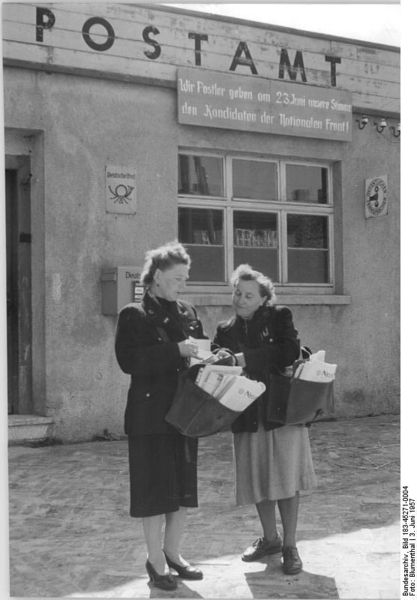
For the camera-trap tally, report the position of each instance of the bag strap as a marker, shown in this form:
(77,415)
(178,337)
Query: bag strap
(303,357)
(295,366)
(305,352)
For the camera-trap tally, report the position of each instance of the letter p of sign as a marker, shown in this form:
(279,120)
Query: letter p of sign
(45,19)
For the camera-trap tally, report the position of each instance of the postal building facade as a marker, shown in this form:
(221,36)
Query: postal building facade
(130,125)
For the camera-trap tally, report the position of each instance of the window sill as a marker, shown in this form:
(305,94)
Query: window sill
(224,299)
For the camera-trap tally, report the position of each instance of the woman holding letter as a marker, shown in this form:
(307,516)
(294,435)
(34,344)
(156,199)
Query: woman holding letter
(155,340)
(273,462)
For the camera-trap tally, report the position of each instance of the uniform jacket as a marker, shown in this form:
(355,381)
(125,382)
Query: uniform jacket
(269,342)
(146,347)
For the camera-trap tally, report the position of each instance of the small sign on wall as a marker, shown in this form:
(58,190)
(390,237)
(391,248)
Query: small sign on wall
(376,197)
(121,196)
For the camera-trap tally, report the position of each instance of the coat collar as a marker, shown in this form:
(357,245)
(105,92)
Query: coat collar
(158,313)
(260,315)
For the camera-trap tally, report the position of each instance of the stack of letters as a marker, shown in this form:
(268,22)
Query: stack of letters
(228,386)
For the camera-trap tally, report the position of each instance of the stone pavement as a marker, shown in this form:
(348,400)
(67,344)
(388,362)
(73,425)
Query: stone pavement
(71,536)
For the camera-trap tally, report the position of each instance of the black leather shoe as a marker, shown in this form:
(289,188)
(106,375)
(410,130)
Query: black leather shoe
(291,561)
(260,548)
(164,582)
(185,572)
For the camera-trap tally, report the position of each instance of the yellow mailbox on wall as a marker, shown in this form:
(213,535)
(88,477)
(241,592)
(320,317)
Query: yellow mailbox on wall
(119,286)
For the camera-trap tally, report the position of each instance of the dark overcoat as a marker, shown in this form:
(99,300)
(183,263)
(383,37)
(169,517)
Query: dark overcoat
(269,342)
(146,345)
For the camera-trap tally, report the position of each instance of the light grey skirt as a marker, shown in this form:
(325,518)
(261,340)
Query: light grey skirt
(272,465)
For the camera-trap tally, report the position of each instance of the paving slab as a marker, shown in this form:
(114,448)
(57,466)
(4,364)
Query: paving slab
(71,535)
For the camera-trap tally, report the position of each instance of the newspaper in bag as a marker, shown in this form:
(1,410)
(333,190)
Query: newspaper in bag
(241,393)
(229,387)
(316,369)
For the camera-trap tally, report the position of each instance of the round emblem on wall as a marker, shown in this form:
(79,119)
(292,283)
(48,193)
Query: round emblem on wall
(376,197)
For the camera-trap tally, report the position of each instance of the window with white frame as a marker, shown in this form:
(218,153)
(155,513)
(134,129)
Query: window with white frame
(275,214)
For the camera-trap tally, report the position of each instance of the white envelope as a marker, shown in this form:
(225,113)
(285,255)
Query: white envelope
(204,351)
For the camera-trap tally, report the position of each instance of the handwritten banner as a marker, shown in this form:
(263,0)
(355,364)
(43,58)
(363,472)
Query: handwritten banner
(214,99)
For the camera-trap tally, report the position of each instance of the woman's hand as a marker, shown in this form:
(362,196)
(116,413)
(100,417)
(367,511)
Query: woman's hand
(188,348)
(225,357)
(222,353)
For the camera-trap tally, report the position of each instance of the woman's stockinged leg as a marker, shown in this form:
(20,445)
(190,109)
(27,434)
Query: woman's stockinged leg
(288,508)
(152,528)
(174,528)
(266,512)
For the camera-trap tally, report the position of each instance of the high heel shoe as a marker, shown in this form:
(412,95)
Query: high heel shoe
(165,582)
(185,572)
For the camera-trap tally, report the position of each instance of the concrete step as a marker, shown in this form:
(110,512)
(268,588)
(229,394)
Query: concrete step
(28,428)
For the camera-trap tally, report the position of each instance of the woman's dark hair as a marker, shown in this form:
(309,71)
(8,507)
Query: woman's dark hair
(247,273)
(163,258)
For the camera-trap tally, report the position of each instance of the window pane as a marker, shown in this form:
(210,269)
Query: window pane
(308,266)
(308,256)
(307,231)
(200,175)
(306,184)
(201,231)
(254,179)
(207,263)
(255,241)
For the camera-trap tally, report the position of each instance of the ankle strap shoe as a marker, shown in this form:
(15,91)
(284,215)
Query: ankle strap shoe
(164,582)
(185,572)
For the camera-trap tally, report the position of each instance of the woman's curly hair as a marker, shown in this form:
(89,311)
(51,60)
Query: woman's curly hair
(163,258)
(246,273)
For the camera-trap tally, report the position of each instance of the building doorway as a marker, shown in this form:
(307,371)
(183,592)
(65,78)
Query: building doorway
(19,293)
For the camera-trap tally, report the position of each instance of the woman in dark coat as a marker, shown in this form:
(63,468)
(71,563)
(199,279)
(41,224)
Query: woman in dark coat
(153,346)
(273,462)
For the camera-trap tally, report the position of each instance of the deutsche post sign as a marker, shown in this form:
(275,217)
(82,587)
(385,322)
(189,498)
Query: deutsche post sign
(120,189)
